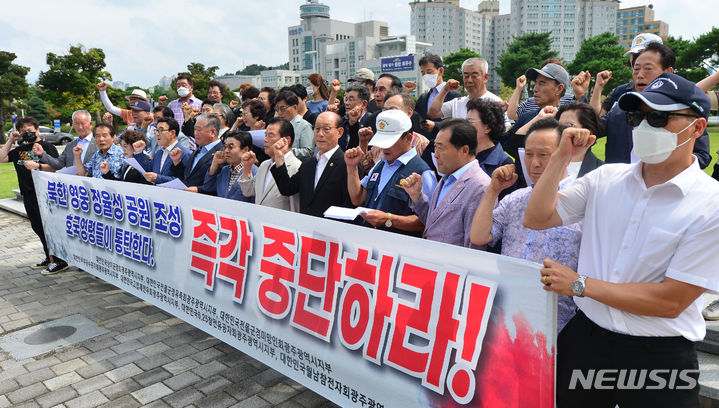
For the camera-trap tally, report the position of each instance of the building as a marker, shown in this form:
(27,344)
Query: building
(336,49)
(636,20)
(450,27)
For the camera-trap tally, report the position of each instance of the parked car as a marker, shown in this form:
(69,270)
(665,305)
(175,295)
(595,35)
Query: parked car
(58,138)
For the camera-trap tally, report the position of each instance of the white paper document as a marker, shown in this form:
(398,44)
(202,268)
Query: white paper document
(68,170)
(343,213)
(174,183)
(135,164)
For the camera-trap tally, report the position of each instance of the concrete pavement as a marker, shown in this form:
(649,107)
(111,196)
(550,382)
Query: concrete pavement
(148,358)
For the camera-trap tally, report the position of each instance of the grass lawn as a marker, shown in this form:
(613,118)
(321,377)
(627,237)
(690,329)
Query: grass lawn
(598,148)
(8,180)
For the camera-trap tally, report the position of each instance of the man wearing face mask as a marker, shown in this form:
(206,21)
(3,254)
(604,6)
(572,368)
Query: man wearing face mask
(432,69)
(647,253)
(184,91)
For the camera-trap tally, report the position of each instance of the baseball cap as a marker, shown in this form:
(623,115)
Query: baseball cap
(391,124)
(552,71)
(362,74)
(640,42)
(137,93)
(140,105)
(668,92)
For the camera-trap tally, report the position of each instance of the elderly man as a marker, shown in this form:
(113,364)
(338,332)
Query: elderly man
(107,152)
(82,123)
(356,99)
(286,103)
(475,74)
(649,63)
(648,252)
(24,157)
(191,168)
(447,213)
(504,223)
(215,91)
(380,189)
(125,114)
(262,185)
(322,178)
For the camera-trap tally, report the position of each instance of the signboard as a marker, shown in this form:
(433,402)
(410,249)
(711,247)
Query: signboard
(394,64)
(365,318)
(56,124)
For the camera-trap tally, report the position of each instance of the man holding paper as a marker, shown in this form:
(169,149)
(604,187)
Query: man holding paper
(158,169)
(380,190)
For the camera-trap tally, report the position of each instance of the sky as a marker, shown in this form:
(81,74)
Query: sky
(144,40)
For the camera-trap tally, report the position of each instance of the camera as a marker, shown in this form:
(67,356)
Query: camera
(28,137)
(21,162)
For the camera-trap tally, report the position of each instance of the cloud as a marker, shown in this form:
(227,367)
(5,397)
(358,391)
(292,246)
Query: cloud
(145,40)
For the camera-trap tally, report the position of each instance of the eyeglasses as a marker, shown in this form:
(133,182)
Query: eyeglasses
(324,129)
(282,108)
(160,130)
(656,118)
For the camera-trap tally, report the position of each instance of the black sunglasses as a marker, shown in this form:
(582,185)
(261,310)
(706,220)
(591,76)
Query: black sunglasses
(656,118)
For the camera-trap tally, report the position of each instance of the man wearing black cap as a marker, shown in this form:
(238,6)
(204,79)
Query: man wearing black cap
(647,255)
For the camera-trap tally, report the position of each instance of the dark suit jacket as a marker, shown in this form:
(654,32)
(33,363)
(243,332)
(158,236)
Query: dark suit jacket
(589,163)
(422,106)
(331,187)
(128,174)
(164,174)
(195,176)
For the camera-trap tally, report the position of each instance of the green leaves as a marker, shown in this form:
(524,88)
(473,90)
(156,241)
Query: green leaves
(599,53)
(526,51)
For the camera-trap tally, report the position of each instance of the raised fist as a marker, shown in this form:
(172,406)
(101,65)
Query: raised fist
(102,86)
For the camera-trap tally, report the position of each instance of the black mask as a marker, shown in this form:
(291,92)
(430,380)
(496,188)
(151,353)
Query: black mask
(28,137)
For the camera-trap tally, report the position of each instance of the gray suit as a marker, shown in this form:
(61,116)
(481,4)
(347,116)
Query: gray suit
(254,186)
(67,158)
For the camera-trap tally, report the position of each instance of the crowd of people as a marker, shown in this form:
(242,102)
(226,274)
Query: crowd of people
(627,245)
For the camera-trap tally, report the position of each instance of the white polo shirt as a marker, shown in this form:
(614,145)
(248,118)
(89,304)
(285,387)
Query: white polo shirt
(637,234)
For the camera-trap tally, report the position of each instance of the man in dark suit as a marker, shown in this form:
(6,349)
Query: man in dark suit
(191,169)
(158,170)
(322,178)
(82,123)
(432,70)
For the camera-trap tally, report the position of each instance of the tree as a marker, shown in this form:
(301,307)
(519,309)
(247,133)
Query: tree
(693,56)
(453,63)
(599,53)
(12,85)
(37,109)
(524,52)
(71,81)
(201,77)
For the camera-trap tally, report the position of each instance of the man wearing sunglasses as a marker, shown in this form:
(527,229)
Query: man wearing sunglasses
(647,255)
(655,59)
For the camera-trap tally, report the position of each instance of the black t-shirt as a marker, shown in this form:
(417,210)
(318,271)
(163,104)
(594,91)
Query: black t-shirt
(24,152)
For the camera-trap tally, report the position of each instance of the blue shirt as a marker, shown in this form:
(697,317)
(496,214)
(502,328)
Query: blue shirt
(451,179)
(429,182)
(206,148)
(114,157)
(433,93)
(560,244)
(316,107)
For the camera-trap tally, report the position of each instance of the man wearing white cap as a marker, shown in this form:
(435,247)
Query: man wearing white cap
(381,189)
(638,45)
(125,114)
(447,213)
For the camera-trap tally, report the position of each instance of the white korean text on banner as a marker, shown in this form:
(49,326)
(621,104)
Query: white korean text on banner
(363,317)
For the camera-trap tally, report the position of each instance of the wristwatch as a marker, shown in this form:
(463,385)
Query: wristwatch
(388,223)
(578,286)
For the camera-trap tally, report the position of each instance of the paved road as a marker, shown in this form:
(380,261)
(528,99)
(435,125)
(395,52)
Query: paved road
(148,358)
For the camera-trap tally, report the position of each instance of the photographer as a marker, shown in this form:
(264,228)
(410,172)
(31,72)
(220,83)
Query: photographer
(25,160)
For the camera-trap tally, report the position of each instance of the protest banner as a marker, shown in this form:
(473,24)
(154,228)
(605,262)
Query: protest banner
(365,318)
